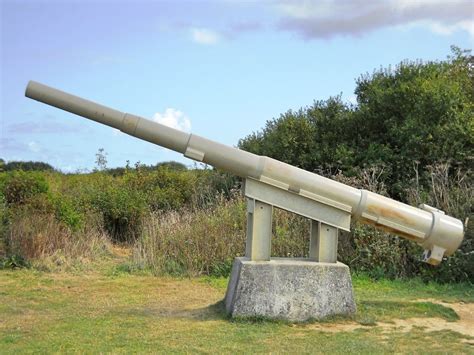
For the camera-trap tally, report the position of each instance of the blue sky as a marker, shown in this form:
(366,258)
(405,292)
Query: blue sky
(217,68)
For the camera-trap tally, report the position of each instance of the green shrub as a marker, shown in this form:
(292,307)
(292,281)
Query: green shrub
(290,237)
(25,166)
(18,187)
(163,188)
(122,211)
(221,269)
(212,185)
(14,262)
(377,253)
(4,220)
(66,212)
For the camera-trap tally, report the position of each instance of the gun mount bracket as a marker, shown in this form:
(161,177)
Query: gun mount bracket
(326,220)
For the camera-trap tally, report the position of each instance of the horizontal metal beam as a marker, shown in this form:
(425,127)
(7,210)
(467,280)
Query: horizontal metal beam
(298,204)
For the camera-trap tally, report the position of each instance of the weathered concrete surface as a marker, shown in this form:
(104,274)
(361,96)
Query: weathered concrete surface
(292,289)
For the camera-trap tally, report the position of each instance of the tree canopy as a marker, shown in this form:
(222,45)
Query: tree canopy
(407,118)
(25,166)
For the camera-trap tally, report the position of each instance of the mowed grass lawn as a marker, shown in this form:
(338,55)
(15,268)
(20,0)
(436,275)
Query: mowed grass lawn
(119,312)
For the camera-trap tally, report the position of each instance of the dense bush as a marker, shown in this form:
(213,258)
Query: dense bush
(122,210)
(66,211)
(25,166)
(115,204)
(409,117)
(125,200)
(18,187)
(452,191)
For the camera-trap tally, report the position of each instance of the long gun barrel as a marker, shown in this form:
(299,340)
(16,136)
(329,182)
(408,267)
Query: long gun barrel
(438,233)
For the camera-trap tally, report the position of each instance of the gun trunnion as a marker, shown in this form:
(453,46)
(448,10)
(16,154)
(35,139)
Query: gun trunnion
(438,233)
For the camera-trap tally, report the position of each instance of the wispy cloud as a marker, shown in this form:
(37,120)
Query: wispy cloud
(329,18)
(173,118)
(447,30)
(205,36)
(10,145)
(42,126)
(34,147)
(316,19)
(245,26)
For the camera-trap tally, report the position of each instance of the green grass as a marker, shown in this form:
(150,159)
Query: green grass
(368,288)
(121,312)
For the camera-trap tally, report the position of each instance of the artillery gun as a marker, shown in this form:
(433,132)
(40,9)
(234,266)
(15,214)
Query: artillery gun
(256,285)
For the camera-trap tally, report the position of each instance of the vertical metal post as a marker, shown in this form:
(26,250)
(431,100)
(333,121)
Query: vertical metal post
(323,242)
(259,230)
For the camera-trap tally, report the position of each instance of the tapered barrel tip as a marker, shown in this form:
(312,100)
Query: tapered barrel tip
(30,88)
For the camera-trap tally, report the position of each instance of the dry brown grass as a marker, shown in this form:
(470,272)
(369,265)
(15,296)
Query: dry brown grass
(49,244)
(206,240)
(192,241)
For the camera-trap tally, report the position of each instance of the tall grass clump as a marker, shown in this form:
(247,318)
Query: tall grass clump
(44,227)
(205,240)
(50,244)
(290,237)
(193,241)
(451,190)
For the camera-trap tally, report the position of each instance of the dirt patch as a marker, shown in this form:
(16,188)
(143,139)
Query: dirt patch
(465,325)
(121,252)
(338,327)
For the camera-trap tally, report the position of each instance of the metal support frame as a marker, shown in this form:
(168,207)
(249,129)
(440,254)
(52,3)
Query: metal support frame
(326,221)
(323,242)
(259,230)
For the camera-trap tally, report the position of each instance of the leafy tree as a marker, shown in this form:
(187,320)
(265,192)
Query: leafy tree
(419,113)
(307,138)
(408,117)
(101,160)
(172,165)
(25,166)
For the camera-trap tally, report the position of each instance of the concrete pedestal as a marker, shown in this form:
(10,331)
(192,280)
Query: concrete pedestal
(291,289)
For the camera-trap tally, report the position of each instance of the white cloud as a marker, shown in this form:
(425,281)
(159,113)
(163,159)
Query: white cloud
(34,147)
(328,18)
(447,30)
(204,36)
(173,118)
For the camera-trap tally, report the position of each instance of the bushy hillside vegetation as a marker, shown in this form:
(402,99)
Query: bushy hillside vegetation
(25,165)
(410,137)
(407,120)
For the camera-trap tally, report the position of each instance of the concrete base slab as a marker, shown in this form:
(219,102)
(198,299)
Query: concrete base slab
(291,289)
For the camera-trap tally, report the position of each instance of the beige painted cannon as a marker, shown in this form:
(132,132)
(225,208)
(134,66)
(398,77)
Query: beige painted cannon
(271,183)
